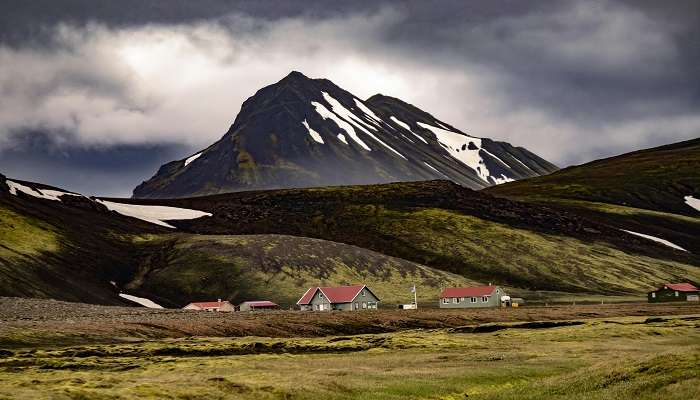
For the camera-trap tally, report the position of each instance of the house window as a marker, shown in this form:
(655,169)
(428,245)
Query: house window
(461,299)
(653,295)
(676,293)
(357,306)
(455,300)
(364,305)
(445,300)
(363,293)
(320,295)
(473,300)
(484,299)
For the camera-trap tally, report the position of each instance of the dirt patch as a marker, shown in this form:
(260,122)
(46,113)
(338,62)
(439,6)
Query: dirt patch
(26,323)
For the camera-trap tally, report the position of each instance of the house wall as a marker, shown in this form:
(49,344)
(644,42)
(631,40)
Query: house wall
(363,297)
(244,307)
(666,295)
(493,301)
(318,300)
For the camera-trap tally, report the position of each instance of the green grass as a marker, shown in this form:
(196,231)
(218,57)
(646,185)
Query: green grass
(612,359)
(481,250)
(22,236)
(655,179)
(280,268)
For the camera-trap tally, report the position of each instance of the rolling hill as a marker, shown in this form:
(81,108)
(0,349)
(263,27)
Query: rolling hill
(273,244)
(658,179)
(455,229)
(650,191)
(56,244)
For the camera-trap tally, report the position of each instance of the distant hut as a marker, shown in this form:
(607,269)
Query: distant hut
(343,298)
(211,306)
(474,297)
(674,292)
(258,305)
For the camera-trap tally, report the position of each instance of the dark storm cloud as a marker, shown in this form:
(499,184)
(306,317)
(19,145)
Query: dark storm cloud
(49,157)
(572,81)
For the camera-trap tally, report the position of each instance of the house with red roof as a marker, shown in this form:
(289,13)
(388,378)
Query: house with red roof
(474,297)
(210,306)
(344,298)
(258,305)
(674,292)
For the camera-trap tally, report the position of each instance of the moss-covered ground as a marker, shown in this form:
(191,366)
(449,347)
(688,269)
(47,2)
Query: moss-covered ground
(632,357)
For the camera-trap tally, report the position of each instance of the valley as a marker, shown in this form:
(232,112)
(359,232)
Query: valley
(641,356)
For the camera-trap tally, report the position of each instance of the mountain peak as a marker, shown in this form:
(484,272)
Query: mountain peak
(295,76)
(303,132)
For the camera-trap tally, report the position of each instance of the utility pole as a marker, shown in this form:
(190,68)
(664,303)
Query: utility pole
(415,296)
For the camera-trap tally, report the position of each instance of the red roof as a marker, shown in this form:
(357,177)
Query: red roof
(209,304)
(682,287)
(337,294)
(468,291)
(260,303)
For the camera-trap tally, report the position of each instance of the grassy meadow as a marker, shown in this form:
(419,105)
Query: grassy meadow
(628,357)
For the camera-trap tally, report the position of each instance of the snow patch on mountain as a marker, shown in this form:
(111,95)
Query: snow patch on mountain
(367,111)
(496,157)
(408,128)
(435,169)
(347,115)
(190,159)
(48,194)
(656,239)
(502,179)
(328,114)
(314,135)
(693,202)
(522,163)
(140,300)
(462,147)
(154,214)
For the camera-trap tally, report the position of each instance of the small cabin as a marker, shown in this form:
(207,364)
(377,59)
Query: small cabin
(474,297)
(342,298)
(258,305)
(213,306)
(674,292)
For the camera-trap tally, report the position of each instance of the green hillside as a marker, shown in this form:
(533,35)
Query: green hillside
(447,227)
(274,244)
(275,267)
(654,179)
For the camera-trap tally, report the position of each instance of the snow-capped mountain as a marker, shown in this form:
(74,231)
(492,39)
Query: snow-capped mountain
(302,132)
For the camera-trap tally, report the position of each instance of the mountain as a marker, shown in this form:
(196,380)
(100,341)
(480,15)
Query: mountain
(302,132)
(662,179)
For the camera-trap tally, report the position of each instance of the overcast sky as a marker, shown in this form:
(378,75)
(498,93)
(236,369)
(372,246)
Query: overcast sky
(95,95)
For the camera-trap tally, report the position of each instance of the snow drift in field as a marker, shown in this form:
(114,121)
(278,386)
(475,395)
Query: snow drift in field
(47,194)
(654,238)
(154,214)
(693,202)
(140,300)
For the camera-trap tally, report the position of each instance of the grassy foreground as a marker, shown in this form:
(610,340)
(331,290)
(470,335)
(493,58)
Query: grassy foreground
(631,357)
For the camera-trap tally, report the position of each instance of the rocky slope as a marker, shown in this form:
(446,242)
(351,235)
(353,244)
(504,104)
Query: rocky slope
(302,132)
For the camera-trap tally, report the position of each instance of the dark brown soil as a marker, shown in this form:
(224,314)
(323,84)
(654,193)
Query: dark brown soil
(36,322)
